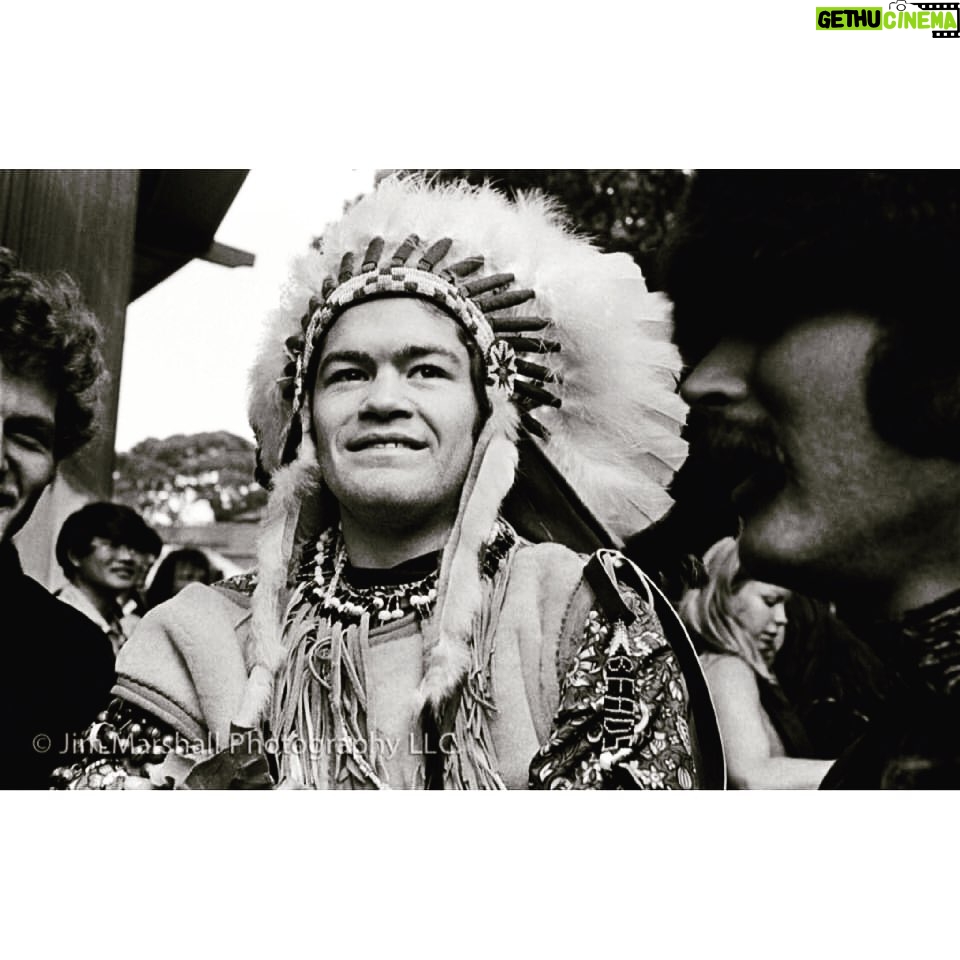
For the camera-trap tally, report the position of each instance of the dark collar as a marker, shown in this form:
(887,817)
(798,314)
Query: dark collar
(9,562)
(407,572)
(925,642)
(929,612)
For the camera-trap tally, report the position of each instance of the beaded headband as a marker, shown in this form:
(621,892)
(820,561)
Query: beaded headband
(473,303)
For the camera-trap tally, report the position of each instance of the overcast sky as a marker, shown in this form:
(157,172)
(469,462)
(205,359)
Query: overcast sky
(190,341)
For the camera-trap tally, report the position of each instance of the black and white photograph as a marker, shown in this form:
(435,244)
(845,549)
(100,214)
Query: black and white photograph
(442,417)
(598,531)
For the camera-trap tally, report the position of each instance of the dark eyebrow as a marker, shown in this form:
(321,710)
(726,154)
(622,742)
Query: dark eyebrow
(345,356)
(418,352)
(406,354)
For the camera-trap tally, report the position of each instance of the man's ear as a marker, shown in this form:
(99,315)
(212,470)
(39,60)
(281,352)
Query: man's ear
(74,560)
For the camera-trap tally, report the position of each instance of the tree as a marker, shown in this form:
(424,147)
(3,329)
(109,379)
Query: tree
(621,210)
(217,467)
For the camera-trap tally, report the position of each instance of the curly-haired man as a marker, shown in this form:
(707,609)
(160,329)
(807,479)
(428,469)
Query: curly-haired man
(816,312)
(58,664)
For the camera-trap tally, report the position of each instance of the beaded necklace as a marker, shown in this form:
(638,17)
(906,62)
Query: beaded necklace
(321,691)
(322,576)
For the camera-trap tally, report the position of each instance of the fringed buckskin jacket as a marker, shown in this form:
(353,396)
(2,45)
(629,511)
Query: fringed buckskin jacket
(582,677)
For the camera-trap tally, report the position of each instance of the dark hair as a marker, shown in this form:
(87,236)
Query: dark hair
(753,252)
(161,586)
(111,521)
(46,332)
(478,376)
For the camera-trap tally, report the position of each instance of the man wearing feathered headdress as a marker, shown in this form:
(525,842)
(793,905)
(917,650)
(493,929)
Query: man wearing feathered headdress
(399,630)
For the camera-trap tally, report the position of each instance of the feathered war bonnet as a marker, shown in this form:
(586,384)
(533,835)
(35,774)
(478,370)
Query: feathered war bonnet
(578,355)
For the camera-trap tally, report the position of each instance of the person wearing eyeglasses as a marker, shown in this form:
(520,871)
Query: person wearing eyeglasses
(101,549)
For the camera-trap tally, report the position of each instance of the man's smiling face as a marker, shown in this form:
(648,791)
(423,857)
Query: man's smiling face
(394,411)
(27,425)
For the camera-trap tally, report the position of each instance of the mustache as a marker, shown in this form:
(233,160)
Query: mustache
(732,446)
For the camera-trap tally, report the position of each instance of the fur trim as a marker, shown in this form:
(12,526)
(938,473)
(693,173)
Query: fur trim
(256,697)
(459,591)
(292,515)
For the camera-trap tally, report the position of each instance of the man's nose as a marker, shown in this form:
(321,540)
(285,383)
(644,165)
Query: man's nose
(386,396)
(722,376)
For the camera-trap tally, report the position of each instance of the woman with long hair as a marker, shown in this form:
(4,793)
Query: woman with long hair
(739,625)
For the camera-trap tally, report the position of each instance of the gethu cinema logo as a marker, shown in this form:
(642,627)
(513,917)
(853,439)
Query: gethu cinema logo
(929,16)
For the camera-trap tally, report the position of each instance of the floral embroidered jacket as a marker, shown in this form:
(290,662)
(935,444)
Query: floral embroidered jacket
(588,681)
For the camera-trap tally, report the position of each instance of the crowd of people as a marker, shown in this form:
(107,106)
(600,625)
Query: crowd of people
(463,411)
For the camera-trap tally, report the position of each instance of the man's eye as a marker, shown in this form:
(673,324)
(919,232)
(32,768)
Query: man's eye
(344,375)
(32,441)
(428,371)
